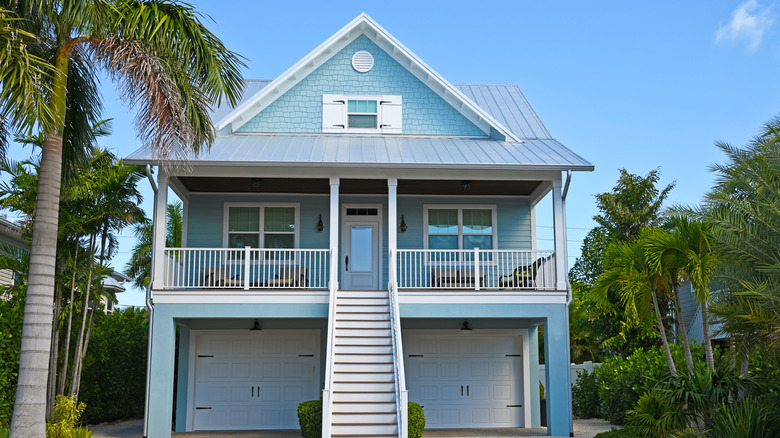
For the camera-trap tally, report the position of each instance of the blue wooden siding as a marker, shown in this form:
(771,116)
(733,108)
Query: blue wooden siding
(300,108)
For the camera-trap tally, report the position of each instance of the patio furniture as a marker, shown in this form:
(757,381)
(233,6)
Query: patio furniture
(219,278)
(522,277)
(290,277)
(456,278)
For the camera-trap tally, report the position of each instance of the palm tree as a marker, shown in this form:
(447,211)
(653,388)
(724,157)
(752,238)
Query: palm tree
(744,210)
(166,63)
(140,265)
(640,285)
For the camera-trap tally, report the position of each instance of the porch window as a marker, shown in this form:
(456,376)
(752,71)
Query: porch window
(278,230)
(466,227)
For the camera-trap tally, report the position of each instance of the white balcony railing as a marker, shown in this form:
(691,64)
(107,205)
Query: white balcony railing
(247,268)
(476,269)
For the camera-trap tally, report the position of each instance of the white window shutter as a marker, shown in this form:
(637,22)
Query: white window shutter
(391,115)
(334,113)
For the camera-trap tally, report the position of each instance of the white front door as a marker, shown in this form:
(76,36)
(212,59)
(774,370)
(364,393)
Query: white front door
(466,379)
(252,379)
(360,248)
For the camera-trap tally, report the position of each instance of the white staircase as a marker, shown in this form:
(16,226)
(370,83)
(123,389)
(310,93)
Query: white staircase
(363,390)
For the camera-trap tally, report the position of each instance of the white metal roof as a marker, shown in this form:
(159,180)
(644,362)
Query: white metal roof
(508,105)
(381,151)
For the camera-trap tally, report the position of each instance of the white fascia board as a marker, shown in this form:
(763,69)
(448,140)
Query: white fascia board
(365,25)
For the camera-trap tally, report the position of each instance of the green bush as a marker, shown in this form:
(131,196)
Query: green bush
(115,367)
(11,316)
(619,433)
(585,395)
(654,417)
(310,418)
(67,414)
(416,420)
(4,431)
(748,418)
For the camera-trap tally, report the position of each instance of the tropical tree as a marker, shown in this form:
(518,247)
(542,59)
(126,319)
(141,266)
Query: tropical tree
(744,210)
(640,285)
(166,63)
(140,265)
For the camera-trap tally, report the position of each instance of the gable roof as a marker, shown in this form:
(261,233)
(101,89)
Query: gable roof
(364,25)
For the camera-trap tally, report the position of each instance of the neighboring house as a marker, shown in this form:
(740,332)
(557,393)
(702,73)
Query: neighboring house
(362,230)
(693,317)
(112,283)
(11,234)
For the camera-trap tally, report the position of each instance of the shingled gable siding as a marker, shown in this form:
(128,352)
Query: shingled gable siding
(299,110)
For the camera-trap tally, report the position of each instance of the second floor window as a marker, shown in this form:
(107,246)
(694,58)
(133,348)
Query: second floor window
(261,226)
(460,227)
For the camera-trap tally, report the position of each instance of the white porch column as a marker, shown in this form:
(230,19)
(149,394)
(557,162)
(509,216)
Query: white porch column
(559,230)
(159,228)
(334,232)
(392,227)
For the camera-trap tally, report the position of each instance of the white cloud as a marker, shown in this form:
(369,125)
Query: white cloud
(748,22)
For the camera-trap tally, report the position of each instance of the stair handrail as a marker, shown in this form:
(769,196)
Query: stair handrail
(327,402)
(402,395)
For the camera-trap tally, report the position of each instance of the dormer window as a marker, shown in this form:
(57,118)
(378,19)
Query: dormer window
(355,114)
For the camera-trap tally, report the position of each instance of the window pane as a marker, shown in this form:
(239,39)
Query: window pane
(362,121)
(443,221)
(279,219)
(243,219)
(442,242)
(279,240)
(361,106)
(477,222)
(481,242)
(362,239)
(242,240)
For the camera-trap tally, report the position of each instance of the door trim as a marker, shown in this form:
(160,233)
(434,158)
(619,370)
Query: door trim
(380,236)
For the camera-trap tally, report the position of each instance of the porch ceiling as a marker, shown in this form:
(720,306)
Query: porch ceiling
(357,186)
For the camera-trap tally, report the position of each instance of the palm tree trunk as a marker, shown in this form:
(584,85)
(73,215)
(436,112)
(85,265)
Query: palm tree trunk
(29,415)
(707,337)
(85,306)
(64,369)
(682,330)
(77,383)
(664,340)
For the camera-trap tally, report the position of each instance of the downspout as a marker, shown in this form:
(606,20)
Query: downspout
(569,299)
(150,306)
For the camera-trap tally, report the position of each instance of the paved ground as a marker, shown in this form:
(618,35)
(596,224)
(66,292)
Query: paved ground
(134,429)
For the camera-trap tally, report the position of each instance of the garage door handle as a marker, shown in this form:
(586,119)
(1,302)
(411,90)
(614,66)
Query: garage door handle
(467,390)
(202,407)
(461,390)
(253,391)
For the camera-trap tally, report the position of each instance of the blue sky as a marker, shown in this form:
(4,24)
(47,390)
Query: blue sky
(634,85)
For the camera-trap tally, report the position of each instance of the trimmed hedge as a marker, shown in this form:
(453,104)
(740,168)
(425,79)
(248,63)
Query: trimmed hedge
(310,419)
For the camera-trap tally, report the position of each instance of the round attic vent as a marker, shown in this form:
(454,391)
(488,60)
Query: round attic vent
(362,61)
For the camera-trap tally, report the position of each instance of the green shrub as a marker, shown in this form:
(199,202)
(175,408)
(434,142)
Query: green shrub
(67,414)
(619,433)
(11,316)
(655,417)
(310,418)
(115,367)
(585,395)
(748,418)
(416,420)
(4,431)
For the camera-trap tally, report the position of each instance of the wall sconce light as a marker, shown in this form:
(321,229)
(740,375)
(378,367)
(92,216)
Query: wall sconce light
(320,225)
(256,182)
(466,185)
(403,226)
(255,326)
(465,325)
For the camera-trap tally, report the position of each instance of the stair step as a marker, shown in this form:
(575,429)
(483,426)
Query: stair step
(364,418)
(363,358)
(363,397)
(354,430)
(350,367)
(369,388)
(353,408)
(363,349)
(354,340)
(363,377)
(362,293)
(362,331)
(376,324)
(362,316)
(350,301)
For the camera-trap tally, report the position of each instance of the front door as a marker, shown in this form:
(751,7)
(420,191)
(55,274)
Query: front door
(360,248)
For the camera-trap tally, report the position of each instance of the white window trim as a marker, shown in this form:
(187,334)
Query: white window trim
(460,208)
(261,206)
(380,117)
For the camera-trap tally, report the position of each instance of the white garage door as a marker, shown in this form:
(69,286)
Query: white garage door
(465,379)
(253,380)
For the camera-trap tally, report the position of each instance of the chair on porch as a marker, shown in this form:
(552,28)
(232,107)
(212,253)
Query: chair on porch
(290,277)
(523,276)
(219,277)
(456,278)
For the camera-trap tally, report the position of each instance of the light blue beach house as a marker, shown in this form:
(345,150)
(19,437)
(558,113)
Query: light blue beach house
(363,231)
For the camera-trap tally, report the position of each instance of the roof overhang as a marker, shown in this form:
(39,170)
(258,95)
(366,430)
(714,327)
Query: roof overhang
(365,25)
